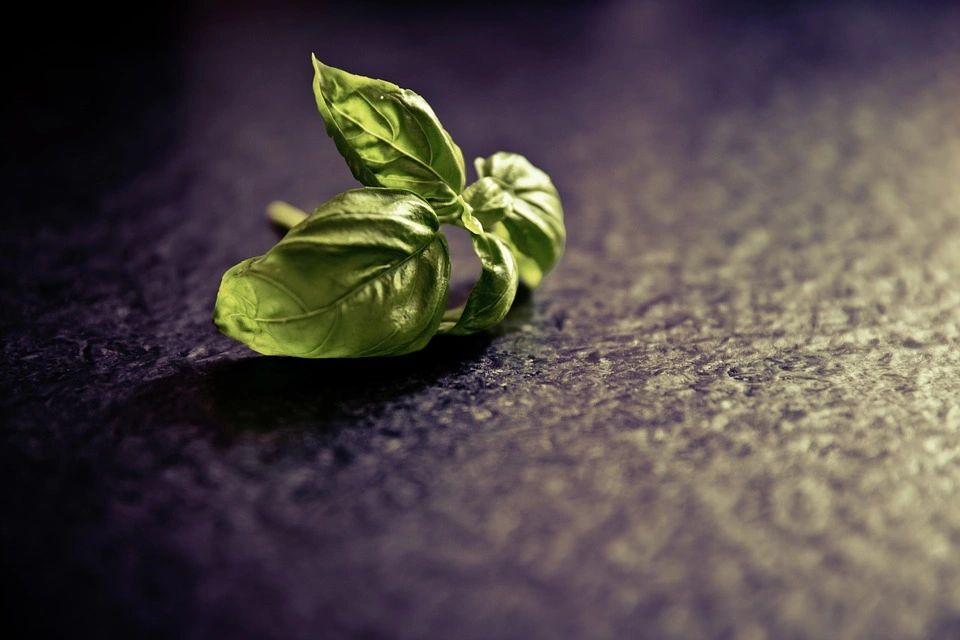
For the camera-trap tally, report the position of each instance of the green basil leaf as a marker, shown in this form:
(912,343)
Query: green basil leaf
(468,222)
(490,202)
(366,275)
(390,137)
(534,225)
(491,297)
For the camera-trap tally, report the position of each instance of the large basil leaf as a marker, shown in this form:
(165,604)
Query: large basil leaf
(390,137)
(366,275)
(534,225)
(491,297)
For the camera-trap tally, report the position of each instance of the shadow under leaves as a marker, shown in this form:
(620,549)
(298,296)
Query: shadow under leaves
(266,394)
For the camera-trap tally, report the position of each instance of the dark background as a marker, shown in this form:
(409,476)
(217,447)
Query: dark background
(732,412)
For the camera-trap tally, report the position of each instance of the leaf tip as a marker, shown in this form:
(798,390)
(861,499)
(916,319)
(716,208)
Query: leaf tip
(478,165)
(318,67)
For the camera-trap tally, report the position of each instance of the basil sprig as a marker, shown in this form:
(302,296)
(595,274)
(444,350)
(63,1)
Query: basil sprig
(368,273)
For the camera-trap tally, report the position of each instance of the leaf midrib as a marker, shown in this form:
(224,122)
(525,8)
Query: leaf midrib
(345,296)
(391,144)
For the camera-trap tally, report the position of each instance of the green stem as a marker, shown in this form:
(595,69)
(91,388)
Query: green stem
(285,215)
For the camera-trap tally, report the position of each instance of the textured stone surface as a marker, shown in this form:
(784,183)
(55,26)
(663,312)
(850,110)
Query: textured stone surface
(733,411)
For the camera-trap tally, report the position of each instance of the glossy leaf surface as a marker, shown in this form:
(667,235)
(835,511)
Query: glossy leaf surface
(534,225)
(366,275)
(491,298)
(390,137)
(489,201)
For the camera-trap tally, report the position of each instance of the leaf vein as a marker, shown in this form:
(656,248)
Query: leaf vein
(390,143)
(321,309)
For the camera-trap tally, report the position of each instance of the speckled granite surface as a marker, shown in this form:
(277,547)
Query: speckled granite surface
(732,412)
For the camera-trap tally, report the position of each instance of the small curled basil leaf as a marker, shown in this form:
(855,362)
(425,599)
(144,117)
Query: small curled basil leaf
(390,137)
(490,202)
(468,221)
(367,274)
(534,226)
(491,297)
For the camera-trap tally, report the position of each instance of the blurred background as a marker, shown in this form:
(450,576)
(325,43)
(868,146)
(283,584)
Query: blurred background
(731,412)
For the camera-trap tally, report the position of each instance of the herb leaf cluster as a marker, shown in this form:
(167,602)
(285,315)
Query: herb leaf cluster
(368,272)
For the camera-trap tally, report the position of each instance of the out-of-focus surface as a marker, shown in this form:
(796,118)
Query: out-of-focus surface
(732,411)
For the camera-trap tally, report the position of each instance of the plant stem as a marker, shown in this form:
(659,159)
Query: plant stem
(285,215)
